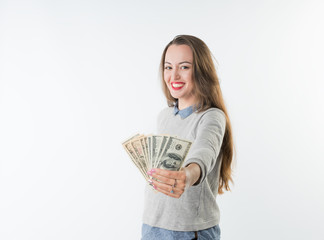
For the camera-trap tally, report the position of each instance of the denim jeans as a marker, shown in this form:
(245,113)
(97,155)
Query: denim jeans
(155,233)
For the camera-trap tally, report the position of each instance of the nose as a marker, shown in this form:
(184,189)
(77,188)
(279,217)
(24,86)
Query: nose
(175,74)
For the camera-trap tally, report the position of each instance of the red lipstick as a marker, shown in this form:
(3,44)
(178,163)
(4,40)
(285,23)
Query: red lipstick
(177,85)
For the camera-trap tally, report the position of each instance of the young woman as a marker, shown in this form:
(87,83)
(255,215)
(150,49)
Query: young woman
(184,206)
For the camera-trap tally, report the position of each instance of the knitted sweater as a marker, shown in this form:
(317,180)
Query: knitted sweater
(196,209)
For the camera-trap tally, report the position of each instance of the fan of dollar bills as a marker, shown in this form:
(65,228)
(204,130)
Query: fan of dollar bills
(157,151)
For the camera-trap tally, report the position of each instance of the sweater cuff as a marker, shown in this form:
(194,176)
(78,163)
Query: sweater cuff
(202,169)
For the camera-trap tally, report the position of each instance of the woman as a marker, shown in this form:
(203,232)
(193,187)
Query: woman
(184,206)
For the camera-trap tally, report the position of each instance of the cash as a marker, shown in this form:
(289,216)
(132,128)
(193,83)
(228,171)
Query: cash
(157,151)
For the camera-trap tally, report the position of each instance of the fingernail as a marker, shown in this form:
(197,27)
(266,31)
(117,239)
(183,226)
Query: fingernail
(154,186)
(149,173)
(153,170)
(150,181)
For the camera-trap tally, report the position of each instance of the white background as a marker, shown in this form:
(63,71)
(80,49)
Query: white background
(79,77)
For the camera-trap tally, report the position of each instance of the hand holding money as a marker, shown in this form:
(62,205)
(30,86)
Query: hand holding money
(173,183)
(160,152)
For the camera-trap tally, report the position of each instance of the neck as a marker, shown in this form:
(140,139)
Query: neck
(184,104)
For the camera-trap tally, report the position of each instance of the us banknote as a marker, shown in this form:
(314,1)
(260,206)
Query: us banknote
(157,151)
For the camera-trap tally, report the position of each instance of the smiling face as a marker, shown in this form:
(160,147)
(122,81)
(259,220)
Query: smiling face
(178,71)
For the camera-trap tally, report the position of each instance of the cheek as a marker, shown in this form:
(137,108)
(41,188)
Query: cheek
(167,82)
(189,78)
(166,77)
(190,83)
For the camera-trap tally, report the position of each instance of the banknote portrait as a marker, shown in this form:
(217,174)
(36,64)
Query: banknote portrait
(171,162)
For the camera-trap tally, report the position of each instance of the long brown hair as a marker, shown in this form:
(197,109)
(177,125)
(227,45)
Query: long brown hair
(209,94)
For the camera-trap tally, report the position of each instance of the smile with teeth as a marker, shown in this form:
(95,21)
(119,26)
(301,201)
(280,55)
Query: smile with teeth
(177,85)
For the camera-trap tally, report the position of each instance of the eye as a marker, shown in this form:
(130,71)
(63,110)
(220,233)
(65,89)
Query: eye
(167,68)
(184,67)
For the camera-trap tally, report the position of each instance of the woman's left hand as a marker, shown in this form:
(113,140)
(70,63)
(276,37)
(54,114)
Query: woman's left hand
(171,183)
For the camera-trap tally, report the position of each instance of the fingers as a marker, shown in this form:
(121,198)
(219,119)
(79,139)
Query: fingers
(175,179)
(179,186)
(160,178)
(169,190)
(170,183)
(179,175)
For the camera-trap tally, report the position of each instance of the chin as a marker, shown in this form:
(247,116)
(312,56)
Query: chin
(175,95)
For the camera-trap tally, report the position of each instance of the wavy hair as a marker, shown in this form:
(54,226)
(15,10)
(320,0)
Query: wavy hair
(209,95)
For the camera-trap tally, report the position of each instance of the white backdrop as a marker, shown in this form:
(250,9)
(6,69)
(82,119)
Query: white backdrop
(79,77)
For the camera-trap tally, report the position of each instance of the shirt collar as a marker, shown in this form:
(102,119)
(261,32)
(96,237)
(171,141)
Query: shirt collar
(184,112)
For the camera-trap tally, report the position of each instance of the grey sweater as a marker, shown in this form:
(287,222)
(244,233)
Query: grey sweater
(196,209)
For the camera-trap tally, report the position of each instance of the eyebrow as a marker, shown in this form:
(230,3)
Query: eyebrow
(179,63)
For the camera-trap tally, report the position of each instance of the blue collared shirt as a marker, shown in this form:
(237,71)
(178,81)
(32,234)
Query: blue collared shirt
(184,112)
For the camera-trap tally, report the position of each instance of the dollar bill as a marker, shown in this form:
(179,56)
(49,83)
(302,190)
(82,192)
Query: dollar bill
(156,144)
(163,142)
(144,142)
(139,152)
(135,155)
(156,151)
(173,154)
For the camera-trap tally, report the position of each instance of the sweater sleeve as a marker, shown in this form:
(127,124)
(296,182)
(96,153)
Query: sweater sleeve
(209,137)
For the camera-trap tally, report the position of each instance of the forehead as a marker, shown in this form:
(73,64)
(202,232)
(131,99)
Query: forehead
(178,53)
